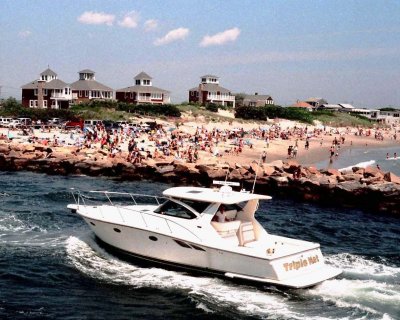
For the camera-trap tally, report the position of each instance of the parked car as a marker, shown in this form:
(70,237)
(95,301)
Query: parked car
(91,123)
(110,125)
(73,124)
(14,123)
(122,123)
(54,121)
(4,121)
(25,121)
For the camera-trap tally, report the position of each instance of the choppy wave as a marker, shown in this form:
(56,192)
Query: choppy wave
(363,164)
(361,267)
(367,297)
(12,223)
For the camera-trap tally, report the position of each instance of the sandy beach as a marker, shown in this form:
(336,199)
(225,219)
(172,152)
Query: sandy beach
(319,139)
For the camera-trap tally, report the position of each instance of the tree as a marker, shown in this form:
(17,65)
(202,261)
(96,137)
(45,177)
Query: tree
(239,98)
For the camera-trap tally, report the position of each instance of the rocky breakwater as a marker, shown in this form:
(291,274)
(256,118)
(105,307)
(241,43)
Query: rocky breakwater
(366,188)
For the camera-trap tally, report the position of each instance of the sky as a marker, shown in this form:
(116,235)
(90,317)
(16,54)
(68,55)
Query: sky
(345,51)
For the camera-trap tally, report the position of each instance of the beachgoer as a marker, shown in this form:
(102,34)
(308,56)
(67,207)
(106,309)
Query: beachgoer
(220,216)
(264,156)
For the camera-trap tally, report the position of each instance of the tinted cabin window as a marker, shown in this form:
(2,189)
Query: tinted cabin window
(174,209)
(196,205)
(234,206)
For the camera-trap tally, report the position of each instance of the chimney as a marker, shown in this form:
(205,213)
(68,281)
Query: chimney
(201,87)
(40,93)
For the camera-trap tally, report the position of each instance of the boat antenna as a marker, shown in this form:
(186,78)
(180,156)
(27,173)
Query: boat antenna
(226,176)
(255,176)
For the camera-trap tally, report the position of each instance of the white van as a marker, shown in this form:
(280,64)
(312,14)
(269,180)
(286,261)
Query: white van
(91,123)
(25,121)
(14,123)
(5,121)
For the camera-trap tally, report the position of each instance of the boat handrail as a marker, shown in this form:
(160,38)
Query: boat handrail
(132,195)
(78,195)
(158,216)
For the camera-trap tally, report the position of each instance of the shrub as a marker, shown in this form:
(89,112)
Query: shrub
(212,107)
(263,113)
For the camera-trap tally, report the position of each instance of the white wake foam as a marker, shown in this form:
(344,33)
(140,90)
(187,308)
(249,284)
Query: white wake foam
(360,165)
(212,294)
(356,265)
(206,292)
(11,223)
(378,298)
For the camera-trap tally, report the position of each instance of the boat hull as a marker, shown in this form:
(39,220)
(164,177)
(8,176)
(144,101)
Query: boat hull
(167,250)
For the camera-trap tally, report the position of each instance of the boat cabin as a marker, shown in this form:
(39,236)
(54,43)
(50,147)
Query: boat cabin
(230,213)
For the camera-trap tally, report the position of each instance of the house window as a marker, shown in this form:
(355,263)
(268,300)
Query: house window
(156,96)
(131,95)
(45,92)
(146,82)
(66,90)
(44,103)
(33,103)
(36,92)
(191,93)
(137,82)
(86,93)
(80,93)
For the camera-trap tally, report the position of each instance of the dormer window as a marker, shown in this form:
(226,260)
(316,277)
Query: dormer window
(146,82)
(204,80)
(86,76)
(137,82)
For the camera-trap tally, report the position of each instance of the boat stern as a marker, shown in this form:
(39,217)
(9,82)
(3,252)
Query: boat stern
(304,269)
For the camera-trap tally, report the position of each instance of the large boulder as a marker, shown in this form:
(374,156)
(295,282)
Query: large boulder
(331,172)
(313,170)
(278,164)
(29,148)
(391,177)
(4,149)
(268,170)
(372,172)
(352,177)
(255,168)
(290,166)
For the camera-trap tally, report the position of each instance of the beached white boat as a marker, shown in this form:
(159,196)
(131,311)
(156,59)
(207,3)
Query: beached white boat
(181,230)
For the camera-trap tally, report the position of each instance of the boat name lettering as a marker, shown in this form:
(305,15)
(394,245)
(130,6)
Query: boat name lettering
(296,265)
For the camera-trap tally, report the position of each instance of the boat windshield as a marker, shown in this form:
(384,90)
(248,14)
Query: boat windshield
(199,206)
(173,209)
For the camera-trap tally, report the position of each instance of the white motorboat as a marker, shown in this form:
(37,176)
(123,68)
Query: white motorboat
(206,229)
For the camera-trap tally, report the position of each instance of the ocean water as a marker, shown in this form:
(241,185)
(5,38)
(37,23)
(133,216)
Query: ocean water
(366,157)
(51,267)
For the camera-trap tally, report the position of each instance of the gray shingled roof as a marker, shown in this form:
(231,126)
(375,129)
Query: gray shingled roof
(86,71)
(89,85)
(212,87)
(142,75)
(53,84)
(143,89)
(320,100)
(253,97)
(48,72)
